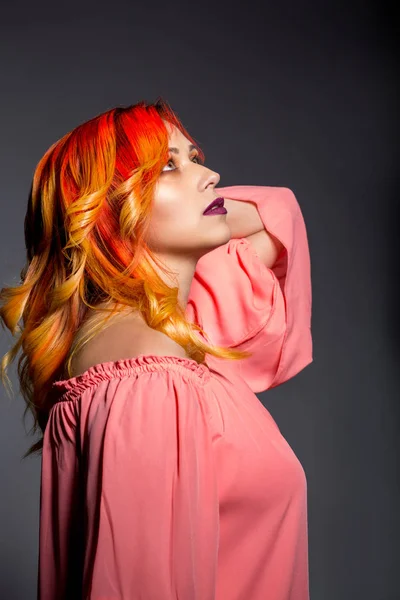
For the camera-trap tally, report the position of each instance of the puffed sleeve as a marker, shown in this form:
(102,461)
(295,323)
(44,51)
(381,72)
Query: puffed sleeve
(241,303)
(145,487)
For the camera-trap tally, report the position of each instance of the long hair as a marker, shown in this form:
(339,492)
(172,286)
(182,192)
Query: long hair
(88,213)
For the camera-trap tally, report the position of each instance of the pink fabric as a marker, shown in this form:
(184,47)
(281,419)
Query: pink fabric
(165,479)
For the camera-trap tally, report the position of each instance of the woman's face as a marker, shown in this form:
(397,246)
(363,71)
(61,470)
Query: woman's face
(183,191)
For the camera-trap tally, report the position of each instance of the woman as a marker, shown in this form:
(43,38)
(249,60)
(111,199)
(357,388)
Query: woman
(163,476)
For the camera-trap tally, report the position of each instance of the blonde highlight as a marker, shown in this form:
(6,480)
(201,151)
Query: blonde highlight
(87,218)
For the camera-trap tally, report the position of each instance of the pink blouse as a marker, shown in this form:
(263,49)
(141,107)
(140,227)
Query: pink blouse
(164,479)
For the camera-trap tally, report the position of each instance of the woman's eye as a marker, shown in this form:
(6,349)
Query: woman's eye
(171,160)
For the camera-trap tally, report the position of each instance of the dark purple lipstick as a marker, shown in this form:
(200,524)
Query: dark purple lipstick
(216,207)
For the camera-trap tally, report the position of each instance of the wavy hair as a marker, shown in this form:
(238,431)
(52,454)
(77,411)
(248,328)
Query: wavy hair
(88,213)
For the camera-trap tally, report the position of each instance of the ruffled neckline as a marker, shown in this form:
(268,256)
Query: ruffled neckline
(124,366)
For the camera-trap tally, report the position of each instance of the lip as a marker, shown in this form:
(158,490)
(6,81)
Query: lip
(217,202)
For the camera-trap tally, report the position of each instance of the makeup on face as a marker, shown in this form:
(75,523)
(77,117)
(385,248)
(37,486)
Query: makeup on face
(216,207)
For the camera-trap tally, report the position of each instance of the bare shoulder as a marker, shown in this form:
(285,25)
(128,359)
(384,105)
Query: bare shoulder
(127,337)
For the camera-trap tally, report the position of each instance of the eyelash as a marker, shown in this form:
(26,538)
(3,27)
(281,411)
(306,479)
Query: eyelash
(199,161)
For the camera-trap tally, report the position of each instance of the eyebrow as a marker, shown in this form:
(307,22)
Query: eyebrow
(176,150)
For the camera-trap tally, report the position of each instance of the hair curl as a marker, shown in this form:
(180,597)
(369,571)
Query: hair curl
(88,213)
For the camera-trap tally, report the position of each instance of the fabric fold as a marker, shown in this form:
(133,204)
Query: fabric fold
(243,304)
(146,485)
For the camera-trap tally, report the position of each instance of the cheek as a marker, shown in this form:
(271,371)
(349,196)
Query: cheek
(177,215)
(174,225)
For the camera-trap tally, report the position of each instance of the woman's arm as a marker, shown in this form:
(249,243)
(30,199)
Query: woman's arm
(267,247)
(244,221)
(243,218)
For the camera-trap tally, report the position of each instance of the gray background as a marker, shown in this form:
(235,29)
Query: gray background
(303,96)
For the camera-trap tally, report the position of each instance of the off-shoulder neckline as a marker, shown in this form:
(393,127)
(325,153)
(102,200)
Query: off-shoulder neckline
(139,363)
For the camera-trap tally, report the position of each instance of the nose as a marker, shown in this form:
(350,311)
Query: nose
(212,180)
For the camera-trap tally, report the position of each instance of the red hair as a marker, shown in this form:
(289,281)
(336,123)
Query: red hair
(88,213)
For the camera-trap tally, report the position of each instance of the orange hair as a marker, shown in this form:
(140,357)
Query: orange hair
(88,213)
